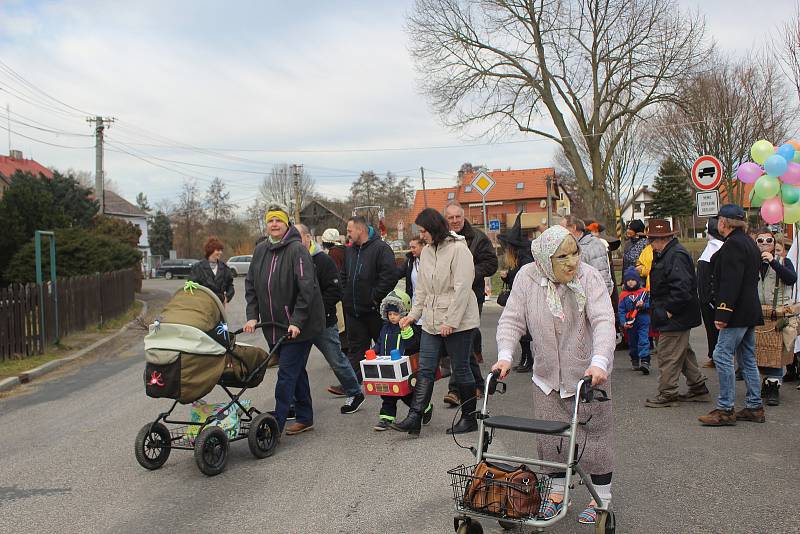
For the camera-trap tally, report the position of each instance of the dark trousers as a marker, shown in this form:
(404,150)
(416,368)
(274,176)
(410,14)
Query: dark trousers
(477,340)
(458,346)
(639,342)
(292,384)
(389,405)
(712,334)
(474,366)
(361,332)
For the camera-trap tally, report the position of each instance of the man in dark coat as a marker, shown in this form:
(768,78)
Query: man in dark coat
(485,259)
(675,310)
(738,311)
(369,274)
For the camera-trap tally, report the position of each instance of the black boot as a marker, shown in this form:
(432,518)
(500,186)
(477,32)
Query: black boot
(526,363)
(467,423)
(422,397)
(771,391)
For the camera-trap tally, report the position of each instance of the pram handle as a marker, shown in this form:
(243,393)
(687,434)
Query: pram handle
(257,326)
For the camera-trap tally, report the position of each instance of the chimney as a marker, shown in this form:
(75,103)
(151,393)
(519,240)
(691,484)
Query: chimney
(15,154)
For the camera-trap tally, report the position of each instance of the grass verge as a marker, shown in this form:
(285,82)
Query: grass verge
(69,344)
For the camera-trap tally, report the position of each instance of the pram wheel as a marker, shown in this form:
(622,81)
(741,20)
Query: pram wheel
(263,435)
(507,525)
(606,522)
(469,526)
(211,450)
(152,446)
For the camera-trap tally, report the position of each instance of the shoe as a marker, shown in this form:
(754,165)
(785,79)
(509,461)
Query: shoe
(291,415)
(718,418)
(382,425)
(644,367)
(550,509)
(634,365)
(754,415)
(336,391)
(697,395)
(709,364)
(451,399)
(588,516)
(739,376)
(428,415)
(468,422)
(661,402)
(771,392)
(298,428)
(352,404)
(420,400)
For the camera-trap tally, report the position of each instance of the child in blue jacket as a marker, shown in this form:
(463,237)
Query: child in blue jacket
(634,316)
(394,307)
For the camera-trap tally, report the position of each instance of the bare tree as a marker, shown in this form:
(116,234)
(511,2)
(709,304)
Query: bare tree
(278,187)
(503,64)
(188,218)
(219,207)
(786,48)
(722,112)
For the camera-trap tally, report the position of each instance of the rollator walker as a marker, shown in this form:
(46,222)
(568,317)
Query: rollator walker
(519,498)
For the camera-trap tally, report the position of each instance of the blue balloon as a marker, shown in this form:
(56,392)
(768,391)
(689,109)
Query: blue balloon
(787,151)
(776,165)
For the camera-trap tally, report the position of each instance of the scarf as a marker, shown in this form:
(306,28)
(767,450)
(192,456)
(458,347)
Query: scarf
(543,248)
(711,248)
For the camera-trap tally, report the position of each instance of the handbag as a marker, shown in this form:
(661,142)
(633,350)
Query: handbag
(769,338)
(503,490)
(502,298)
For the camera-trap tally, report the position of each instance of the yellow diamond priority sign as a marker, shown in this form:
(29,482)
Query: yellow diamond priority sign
(483,183)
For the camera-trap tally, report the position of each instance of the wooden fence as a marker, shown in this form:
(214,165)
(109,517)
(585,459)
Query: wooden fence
(83,301)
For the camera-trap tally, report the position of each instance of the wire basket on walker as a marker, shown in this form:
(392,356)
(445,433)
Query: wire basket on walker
(513,490)
(189,351)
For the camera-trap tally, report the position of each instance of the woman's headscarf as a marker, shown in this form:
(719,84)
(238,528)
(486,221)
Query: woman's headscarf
(543,248)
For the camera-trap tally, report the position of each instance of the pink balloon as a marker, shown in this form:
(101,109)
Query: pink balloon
(749,172)
(772,210)
(792,174)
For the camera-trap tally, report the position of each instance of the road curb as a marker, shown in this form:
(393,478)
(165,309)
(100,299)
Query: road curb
(27,376)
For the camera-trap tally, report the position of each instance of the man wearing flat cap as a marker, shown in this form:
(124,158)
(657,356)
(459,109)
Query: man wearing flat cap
(738,311)
(675,310)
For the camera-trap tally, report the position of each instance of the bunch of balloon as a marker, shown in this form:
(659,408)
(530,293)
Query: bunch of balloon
(775,173)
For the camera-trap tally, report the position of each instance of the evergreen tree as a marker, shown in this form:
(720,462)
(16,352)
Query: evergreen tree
(673,196)
(141,202)
(219,208)
(160,234)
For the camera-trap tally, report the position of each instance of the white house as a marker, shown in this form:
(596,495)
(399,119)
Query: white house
(116,206)
(639,205)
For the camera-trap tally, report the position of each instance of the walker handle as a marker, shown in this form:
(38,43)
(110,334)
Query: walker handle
(493,381)
(587,391)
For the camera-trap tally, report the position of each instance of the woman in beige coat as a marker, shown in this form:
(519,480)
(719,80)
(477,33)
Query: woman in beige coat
(446,305)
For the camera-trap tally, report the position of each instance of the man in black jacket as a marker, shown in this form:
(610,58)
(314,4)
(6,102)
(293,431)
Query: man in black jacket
(369,274)
(485,259)
(675,310)
(736,277)
(328,341)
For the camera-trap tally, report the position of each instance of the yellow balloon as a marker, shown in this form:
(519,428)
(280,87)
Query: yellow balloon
(791,213)
(761,150)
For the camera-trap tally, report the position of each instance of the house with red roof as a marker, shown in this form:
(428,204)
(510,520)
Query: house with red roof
(15,162)
(514,191)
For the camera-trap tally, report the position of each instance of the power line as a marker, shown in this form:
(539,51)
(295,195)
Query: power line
(25,82)
(44,142)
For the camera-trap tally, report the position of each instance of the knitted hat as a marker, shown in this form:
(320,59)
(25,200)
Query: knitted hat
(631,274)
(636,225)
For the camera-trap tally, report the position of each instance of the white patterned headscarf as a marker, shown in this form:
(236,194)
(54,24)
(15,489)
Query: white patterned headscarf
(543,248)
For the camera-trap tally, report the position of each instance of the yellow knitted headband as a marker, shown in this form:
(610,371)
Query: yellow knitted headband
(277,214)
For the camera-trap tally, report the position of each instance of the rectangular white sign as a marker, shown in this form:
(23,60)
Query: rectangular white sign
(707,203)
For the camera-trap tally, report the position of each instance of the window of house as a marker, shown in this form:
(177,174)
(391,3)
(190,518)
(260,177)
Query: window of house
(474,220)
(467,188)
(520,185)
(451,196)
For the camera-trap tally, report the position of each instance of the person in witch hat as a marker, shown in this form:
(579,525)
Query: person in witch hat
(517,250)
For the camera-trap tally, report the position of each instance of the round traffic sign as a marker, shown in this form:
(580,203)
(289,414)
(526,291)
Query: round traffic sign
(706,173)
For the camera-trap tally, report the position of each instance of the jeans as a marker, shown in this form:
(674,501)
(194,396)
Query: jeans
(459,348)
(361,332)
(730,340)
(329,345)
(292,384)
(477,341)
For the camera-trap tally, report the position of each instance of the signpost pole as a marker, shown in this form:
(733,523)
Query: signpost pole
(485,221)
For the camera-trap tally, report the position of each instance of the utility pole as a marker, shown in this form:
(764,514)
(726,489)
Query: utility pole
(424,191)
(296,172)
(8,117)
(99,174)
(548,182)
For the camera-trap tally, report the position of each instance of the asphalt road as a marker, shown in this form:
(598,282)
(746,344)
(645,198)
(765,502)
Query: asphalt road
(67,463)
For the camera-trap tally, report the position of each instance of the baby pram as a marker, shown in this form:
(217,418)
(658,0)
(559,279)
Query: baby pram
(188,351)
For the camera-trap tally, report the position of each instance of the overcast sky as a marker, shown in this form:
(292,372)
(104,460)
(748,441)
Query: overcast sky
(243,85)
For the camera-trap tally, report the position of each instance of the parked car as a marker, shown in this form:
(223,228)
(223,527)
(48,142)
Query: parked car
(239,265)
(175,268)
(398,245)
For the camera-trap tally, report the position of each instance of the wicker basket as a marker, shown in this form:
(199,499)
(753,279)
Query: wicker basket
(769,345)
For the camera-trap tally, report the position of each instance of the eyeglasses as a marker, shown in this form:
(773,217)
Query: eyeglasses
(765,240)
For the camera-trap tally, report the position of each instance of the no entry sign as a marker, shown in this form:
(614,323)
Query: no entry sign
(706,173)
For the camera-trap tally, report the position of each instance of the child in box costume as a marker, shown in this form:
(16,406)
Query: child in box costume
(634,316)
(406,341)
